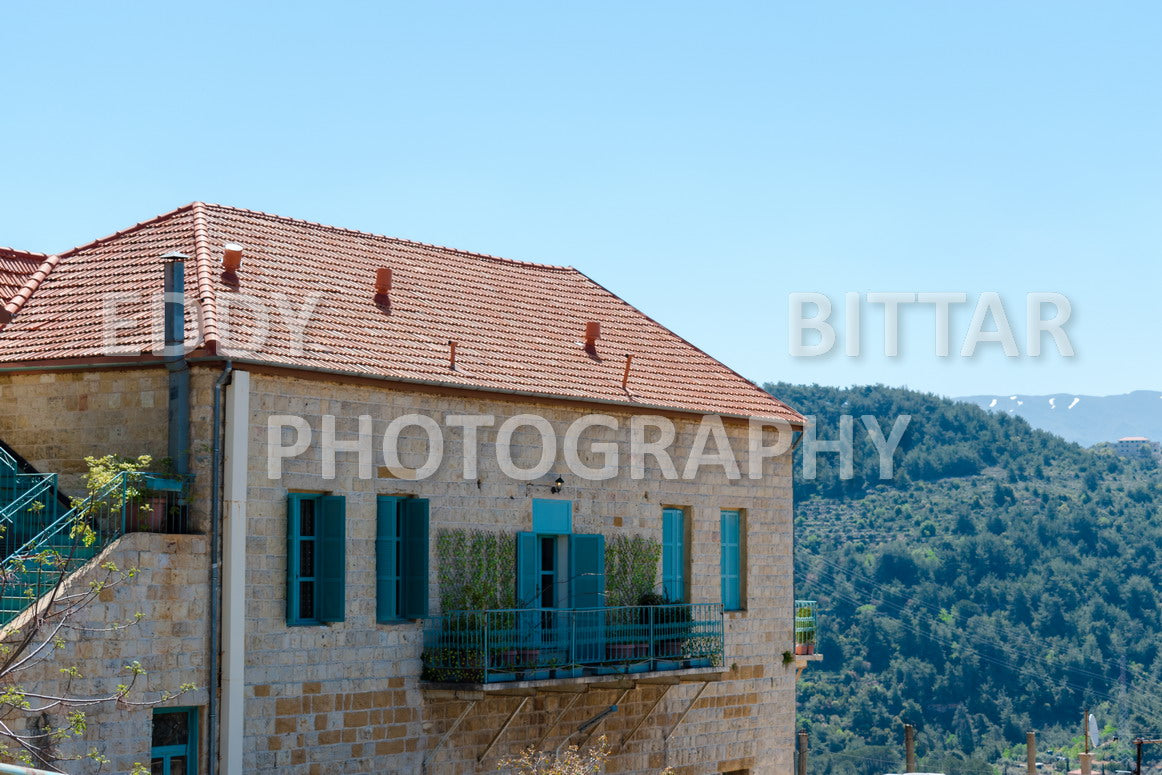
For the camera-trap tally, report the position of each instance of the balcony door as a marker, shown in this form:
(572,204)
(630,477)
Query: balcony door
(559,572)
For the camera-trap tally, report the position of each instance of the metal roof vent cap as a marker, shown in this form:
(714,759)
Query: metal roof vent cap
(232,257)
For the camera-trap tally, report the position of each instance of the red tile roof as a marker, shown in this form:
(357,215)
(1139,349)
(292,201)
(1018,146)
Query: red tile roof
(17,268)
(518,327)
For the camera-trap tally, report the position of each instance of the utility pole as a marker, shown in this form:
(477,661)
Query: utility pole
(909,748)
(1030,753)
(803,753)
(1139,742)
(1086,759)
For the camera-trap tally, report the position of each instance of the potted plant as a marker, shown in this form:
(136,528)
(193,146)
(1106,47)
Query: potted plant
(805,638)
(142,509)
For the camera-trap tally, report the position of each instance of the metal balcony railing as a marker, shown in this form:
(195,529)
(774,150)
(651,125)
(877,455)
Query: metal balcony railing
(805,626)
(524,644)
(129,502)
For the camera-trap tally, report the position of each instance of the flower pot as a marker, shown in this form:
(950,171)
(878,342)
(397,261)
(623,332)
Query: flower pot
(146,515)
(622,652)
(804,648)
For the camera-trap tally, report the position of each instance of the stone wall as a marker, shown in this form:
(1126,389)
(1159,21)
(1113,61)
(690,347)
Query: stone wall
(56,419)
(169,641)
(346,697)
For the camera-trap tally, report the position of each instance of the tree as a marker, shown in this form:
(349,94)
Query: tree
(572,761)
(33,720)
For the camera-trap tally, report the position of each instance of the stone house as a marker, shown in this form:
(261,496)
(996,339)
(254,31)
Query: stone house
(435,506)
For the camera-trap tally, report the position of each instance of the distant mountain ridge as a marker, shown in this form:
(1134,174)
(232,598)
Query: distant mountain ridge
(1086,420)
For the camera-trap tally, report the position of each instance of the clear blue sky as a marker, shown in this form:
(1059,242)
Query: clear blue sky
(701,160)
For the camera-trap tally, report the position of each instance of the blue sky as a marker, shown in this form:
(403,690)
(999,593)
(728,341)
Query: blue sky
(703,161)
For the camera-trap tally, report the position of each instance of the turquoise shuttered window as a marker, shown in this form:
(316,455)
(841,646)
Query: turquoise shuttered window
(674,554)
(585,575)
(316,558)
(414,600)
(388,560)
(401,559)
(731,561)
(528,571)
(587,571)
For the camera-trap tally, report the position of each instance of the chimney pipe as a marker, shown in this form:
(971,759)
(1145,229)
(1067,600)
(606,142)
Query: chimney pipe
(175,305)
(383,281)
(232,257)
(178,410)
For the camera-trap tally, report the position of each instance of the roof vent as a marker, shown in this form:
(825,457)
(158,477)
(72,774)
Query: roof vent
(382,281)
(592,334)
(232,257)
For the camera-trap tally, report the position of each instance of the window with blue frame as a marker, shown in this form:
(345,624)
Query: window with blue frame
(674,554)
(401,559)
(731,537)
(174,750)
(316,558)
(555,567)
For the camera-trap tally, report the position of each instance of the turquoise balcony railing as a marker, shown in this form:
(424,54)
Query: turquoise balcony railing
(129,502)
(527,644)
(805,624)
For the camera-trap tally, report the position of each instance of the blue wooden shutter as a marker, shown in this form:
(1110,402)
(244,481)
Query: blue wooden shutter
(414,519)
(552,517)
(731,560)
(527,571)
(387,571)
(331,589)
(586,571)
(292,557)
(674,554)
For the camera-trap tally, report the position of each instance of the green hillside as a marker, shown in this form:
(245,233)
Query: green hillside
(1002,580)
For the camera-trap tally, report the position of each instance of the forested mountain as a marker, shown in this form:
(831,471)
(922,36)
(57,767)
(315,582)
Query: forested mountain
(1002,580)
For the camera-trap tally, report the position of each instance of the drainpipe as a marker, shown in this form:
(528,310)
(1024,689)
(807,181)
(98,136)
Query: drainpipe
(215,571)
(175,362)
(235,465)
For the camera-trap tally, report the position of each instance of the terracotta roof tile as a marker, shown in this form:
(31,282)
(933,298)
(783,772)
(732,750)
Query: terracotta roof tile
(518,326)
(16,267)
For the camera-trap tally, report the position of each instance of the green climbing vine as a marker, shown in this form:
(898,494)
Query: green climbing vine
(476,570)
(631,568)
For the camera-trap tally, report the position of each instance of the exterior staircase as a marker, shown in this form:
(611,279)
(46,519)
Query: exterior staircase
(44,536)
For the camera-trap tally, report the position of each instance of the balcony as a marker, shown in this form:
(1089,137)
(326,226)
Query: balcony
(805,624)
(531,644)
(805,635)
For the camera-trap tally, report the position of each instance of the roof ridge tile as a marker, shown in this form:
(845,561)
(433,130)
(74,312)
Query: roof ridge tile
(18,253)
(207,296)
(135,227)
(9,310)
(394,240)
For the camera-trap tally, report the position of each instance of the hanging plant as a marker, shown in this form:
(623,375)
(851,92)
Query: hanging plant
(476,570)
(631,568)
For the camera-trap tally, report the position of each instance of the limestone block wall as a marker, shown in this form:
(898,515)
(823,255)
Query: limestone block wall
(347,697)
(54,419)
(170,643)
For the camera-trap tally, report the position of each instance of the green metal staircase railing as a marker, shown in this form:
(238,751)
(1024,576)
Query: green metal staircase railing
(65,542)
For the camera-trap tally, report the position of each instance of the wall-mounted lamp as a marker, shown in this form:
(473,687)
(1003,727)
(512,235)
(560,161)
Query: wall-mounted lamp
(557,485)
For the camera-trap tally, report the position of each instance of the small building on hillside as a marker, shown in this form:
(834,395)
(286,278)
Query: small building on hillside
(465,505)
(1135,446)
